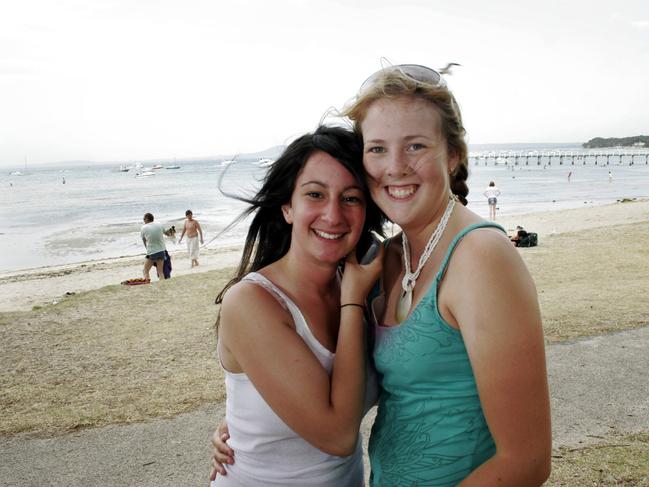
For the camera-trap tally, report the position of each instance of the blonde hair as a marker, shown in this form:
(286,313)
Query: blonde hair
(391,84)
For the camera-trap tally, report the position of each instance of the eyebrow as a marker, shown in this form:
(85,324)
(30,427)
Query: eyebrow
(406,138)
(319,183)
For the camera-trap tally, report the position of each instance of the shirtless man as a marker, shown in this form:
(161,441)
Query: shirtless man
(193,229)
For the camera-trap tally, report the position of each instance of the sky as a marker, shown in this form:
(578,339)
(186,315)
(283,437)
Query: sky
(129,80)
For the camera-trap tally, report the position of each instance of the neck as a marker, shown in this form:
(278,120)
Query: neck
(418,235)
(318,279)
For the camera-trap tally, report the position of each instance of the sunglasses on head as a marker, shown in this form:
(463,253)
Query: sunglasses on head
(416,72)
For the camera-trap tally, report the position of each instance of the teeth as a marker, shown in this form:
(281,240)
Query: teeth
(328,236)
(401,191)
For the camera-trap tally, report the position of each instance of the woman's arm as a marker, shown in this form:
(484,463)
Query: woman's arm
(498,314)
(256,331)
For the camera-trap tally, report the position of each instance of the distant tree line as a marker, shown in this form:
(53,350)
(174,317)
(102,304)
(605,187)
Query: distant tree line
(599,142)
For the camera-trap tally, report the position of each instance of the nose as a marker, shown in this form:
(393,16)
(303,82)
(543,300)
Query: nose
(398,164)
(333,213)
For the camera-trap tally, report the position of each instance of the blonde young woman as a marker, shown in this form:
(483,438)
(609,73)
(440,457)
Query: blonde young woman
(458,342)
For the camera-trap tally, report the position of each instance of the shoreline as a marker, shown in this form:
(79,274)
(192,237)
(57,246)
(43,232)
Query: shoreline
(21,290)
(42,286)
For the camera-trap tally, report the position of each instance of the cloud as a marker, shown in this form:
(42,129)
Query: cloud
(10,68)
(641,24)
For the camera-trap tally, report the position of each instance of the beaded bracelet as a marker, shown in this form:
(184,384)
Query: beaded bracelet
(353,304)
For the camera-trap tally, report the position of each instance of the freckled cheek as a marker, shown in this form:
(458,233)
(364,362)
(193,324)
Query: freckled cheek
(373,169)
(376,192)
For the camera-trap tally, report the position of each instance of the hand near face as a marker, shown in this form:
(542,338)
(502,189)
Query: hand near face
(358,279)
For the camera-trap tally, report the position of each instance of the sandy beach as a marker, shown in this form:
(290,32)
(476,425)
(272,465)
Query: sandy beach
(21,290)
(105,365)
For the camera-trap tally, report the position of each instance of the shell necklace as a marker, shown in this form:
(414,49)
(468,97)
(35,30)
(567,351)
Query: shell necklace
(410,278)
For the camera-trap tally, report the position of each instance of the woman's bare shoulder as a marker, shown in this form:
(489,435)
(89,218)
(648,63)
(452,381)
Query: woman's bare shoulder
(250,299)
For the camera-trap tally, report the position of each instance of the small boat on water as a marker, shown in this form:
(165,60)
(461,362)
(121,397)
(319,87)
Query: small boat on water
(155,167)
(124,168)
(226,163)
(15,173)
(144,174)
(174,166)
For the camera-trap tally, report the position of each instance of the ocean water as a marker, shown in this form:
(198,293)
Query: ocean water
(98,212)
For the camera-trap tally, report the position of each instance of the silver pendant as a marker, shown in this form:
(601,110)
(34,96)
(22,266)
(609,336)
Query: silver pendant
(403,305)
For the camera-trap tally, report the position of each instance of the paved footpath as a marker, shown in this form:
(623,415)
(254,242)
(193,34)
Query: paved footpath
(599,386)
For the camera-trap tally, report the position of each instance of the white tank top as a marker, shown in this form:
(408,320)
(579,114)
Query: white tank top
(267,451)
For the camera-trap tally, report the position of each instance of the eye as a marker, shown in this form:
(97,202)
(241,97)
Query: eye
(416,146)
(316,195)
(353,199)
(376,149)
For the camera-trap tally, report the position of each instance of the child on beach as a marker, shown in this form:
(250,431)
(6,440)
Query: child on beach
(193,230)
(492,193)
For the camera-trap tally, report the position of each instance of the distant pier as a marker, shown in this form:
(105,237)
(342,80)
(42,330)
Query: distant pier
(621,157)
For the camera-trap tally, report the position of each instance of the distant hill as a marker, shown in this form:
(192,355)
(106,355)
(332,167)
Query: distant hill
(599,142)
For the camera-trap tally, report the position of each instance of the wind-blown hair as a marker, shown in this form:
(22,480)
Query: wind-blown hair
(269,235)
(392,83)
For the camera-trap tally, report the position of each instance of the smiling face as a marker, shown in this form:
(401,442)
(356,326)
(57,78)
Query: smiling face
(327,210)
(406,159)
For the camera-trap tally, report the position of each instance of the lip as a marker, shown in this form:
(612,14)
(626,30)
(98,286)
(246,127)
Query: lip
(401,192)
(328,236)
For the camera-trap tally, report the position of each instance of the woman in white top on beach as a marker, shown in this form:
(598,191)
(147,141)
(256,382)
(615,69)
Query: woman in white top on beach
(291,331)
(492,193)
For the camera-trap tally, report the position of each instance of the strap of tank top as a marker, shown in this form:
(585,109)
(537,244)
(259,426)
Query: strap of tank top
(460,236)
(269,286)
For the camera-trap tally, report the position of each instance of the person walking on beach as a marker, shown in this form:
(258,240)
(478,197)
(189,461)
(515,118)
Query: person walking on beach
(153,238)
(291,330)
(193,230)
(492,193)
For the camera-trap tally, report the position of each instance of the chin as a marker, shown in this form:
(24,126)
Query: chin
(327,257)
(329,260)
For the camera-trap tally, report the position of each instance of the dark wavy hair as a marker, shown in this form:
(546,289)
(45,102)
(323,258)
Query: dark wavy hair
(269,236)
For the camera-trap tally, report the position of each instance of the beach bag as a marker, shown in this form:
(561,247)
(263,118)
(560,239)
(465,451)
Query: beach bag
(166,267)
(529,240)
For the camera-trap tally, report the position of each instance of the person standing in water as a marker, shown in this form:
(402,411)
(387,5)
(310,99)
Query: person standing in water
(193,230)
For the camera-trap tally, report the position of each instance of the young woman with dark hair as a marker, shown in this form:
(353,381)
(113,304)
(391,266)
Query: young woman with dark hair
(291,329)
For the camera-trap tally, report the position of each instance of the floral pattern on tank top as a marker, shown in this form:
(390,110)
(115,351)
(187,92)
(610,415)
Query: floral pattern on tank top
(430,429)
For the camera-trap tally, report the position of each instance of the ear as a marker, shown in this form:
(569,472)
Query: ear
(287,211)
(453,161)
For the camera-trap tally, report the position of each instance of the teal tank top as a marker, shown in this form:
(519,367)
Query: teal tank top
(430,429)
